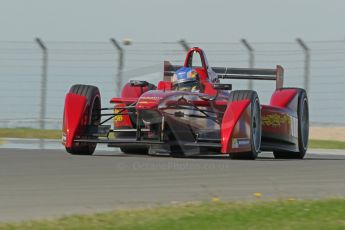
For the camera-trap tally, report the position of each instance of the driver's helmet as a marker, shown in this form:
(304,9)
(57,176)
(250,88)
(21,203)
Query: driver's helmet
(186,79)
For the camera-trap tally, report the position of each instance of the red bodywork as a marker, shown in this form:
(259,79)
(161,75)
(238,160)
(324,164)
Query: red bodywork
(231,116)
(74,119)
(193,119)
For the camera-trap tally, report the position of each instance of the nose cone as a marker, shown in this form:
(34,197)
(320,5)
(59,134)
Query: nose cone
(149,100)
(147,103)
(154,99)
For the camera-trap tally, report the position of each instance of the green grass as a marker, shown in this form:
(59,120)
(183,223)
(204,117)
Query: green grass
(56,134)
(30,133)
(324,214)
(326,144)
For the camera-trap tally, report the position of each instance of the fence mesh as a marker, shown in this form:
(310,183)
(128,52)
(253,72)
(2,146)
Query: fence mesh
(96,63)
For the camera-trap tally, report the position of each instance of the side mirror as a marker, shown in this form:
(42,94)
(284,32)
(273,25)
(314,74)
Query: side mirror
(218,86)
(138,83)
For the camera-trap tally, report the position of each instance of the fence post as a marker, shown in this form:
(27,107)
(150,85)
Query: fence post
(118,79)
(250,60)
(43,82)
(306,62)
(184,44)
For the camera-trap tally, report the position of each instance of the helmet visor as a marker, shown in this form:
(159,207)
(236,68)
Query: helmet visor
(187,86)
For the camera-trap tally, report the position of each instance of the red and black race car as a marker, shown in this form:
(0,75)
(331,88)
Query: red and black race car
(198,115)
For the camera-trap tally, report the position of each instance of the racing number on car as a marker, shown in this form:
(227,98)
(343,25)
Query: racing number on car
(118,118)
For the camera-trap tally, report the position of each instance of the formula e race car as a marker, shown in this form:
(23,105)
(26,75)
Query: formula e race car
(190,113)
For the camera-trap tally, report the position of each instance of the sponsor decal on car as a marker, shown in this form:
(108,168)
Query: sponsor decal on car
(275,120)
(278,120)
(118,118)
(240,142)
(143,98)
(294,127)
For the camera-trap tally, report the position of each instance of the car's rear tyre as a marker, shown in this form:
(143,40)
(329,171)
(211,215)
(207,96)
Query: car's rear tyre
(303,129)
(93,113)
(255,124)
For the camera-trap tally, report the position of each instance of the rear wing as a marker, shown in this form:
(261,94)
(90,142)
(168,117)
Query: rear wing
(276,74)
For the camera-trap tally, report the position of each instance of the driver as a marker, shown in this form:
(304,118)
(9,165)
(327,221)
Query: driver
(186,79)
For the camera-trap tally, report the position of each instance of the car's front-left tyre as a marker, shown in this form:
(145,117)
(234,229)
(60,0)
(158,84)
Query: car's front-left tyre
(254,123)
(92,116)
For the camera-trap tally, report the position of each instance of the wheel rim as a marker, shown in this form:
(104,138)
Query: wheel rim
(256,126)
(305,123)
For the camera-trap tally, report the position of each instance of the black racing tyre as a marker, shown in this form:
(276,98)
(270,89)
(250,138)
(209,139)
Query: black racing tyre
(303,129)
(134,150)
(94,116)
(255,127)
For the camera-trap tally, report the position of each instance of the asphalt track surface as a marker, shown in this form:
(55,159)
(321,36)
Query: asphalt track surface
(52,183)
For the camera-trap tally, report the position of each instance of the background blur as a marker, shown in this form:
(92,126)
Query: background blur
(76,48)
(102,64)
